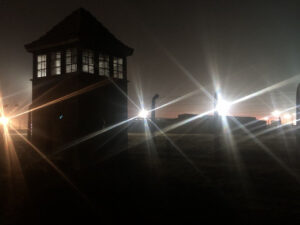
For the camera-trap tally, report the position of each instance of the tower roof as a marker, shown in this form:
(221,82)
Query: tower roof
(81,27)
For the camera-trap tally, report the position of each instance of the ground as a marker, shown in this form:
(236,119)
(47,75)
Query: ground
(183,180)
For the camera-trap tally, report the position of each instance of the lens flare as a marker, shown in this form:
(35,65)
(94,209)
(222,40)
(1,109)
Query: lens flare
(276,113)
(4,120)
(143,114)
(223,107)
(287,116)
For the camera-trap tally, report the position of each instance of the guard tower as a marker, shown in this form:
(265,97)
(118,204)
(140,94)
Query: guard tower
(79,85)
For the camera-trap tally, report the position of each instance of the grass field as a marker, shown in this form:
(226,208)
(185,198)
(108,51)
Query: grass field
(173,179)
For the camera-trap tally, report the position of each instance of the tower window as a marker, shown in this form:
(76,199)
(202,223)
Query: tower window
(56,63)
(41,65)
(104,65)
(118,68)
(71,60)
(88,61)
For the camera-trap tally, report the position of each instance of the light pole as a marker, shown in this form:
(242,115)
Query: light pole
(277,114)
(156,96)
(216,124)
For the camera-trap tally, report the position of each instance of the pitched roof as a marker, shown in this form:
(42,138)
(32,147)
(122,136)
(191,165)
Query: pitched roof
(81,27)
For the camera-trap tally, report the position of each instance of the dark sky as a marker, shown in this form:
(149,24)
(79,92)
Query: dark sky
(243,46)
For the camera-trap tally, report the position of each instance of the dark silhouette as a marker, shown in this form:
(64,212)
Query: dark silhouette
(217,125)
(156,96)
(79,75)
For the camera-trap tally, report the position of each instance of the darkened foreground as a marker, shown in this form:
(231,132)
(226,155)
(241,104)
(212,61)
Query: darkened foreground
(183,182)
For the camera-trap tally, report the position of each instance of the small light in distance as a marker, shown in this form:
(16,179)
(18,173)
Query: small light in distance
(266,118)
(222,106)
(143,114)
(276,113)
(4,121)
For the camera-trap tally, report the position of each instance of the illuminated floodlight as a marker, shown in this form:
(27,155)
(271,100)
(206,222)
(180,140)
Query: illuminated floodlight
(222,106)
(276,113)
(4,120)
(143,114)
(266,118)
(287,116)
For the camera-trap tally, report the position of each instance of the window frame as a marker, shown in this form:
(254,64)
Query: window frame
(71,62)
(104,69)
(41,65)
(56,63)
(88,64)
(118,67)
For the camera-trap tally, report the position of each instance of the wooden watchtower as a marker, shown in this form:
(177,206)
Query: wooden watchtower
(79,85)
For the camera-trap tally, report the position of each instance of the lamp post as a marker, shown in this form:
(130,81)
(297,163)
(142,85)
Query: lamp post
(156,96)
(277,114)
(216,124)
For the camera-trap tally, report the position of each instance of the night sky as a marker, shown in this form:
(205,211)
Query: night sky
(242,46)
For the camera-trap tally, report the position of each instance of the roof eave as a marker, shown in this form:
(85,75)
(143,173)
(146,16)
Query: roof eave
(35,46)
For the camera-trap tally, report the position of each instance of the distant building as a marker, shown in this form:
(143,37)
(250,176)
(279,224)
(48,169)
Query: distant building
(80,67)
(191,123)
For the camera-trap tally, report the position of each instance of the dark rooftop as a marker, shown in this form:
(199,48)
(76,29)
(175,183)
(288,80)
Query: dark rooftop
(81,27)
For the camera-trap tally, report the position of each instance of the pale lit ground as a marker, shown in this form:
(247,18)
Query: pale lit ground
(182,180)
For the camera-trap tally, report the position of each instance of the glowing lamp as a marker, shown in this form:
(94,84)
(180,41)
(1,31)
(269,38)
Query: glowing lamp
(276,113)
(266,118)
(222,106)
(287,116)
(143,114)
(4,121)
